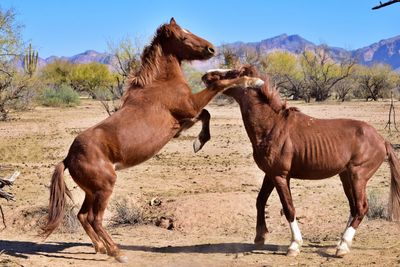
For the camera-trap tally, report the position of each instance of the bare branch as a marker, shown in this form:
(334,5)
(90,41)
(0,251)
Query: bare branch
(385,4)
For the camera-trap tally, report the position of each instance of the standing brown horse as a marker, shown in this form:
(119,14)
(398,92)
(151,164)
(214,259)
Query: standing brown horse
(289,144)
(157,104)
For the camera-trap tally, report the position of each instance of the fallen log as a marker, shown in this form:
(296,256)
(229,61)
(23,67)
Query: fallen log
(7,181)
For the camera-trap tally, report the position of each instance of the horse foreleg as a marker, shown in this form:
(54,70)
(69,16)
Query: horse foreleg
(263,195)
(282,186)
(202,98)
(204,134)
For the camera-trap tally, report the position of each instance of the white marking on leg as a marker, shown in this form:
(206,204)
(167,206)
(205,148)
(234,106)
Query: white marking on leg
(349,235)
(297,240)
(296,234)
(219,70)
(345,244)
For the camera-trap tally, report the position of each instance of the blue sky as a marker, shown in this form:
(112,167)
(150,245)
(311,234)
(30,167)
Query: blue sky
(65,28)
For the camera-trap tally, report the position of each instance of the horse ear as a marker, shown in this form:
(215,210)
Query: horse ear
(172,21)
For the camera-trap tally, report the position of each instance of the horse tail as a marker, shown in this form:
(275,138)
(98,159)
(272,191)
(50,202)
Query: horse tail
(57,201)
(394,199)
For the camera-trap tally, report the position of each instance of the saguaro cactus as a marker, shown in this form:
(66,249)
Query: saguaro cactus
(30,61)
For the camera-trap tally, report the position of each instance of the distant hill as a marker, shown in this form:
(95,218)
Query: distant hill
(385,51)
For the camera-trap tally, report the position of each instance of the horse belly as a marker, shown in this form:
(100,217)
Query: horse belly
(314,170)
(146,143)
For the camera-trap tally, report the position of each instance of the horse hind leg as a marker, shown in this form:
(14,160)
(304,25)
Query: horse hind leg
(345,178)
(100,202)
(85,216)
(359,181)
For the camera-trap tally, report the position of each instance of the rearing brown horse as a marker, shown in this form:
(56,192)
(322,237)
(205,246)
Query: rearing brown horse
(289,144)
(157,105)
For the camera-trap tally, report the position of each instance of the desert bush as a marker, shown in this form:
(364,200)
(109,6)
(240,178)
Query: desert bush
(36,217)
(377,206)
(64,96)
(110,97)
(15,86)
(70,223)
(126,212)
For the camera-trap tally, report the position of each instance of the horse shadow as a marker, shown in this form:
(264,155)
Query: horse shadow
(24,249)
(224,248)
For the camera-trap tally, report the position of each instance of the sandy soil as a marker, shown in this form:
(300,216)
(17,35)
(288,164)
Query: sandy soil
(209,196)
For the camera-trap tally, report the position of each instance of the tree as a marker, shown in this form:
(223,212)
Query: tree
(14,86)
(251,56)
(322,73)
(375,82)
(284,71)
(127,56)
(126,61)
(230,57)
(193,77)
(91,78)
(57,73)
(344,87)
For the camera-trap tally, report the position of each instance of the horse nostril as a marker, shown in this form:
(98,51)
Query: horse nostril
(211,50)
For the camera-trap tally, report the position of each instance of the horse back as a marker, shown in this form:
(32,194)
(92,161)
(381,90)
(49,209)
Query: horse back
(127,137)
(324,147)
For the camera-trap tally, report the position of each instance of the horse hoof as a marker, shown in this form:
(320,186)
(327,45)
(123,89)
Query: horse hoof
(197,145)
(342,249)
(341,252)
(102,250)
(292,252)
(122,259)
(259,241)
(259,83)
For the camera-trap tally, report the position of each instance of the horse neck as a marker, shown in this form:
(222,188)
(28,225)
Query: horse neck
(258,117)
(156,66)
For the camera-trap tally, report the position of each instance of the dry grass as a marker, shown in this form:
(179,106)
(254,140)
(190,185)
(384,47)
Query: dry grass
(70,223)
(377,206)
(125,212)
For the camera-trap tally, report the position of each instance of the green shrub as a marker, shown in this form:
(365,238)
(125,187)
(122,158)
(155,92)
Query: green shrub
(64,96)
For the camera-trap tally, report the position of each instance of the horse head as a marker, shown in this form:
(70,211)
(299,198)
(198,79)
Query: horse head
(183,44)
(214,75)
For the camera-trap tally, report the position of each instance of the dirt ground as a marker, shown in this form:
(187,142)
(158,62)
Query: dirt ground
(210,197)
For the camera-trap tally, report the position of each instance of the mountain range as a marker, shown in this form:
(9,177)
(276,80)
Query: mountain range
(386,51)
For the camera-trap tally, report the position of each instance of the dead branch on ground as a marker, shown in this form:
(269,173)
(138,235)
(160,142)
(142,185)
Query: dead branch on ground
(7,181)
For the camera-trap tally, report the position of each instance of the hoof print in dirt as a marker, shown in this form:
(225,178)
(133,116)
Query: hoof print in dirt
(166,223)
(155,201)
